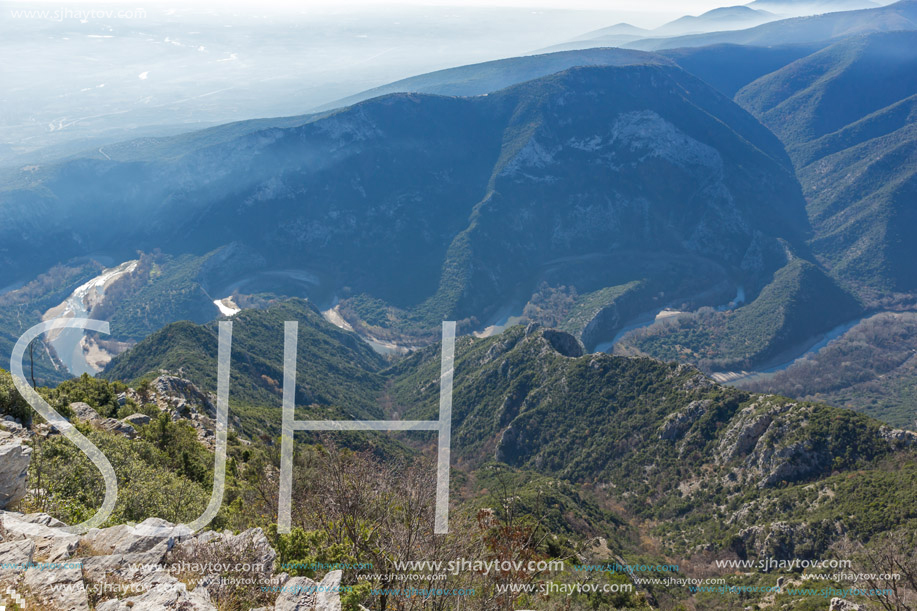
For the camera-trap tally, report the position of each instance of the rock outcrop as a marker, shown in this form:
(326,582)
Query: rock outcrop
(15,457)
(563,343)
(786,540)
(52,543)
(678,423)
(181,399)
(138,419)
(304,594)
(764,439)
(133,567)
(743,435)
(181,395)
(83,411)
(898,437)
(13,554)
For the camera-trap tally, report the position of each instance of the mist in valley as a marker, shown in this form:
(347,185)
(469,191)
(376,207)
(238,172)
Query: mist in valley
(81,75)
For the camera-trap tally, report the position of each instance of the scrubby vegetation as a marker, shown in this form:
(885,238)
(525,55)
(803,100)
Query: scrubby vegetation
(11,402)
(334,369)
(582,460)
(160,290)
(798,304)
(871,368)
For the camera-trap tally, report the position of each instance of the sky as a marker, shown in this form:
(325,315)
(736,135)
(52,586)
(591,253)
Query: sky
(685,7)
(83,80)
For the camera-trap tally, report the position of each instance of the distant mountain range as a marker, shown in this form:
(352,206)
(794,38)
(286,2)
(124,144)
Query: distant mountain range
(534,195)
(796,8)
(901,15)
(487,77)
(825,21)
(724,18)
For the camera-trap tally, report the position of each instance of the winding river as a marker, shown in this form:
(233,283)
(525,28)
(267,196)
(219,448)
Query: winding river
(812,346)
(68,343)
(783,361)
(648,318)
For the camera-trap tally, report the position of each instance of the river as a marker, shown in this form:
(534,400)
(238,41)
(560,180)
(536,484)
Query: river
(783,361)
(67,343)
(648,318)
(808,348)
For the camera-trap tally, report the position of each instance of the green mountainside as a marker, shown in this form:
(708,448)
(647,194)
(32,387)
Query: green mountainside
(801,302)
(670,447)
(336,369)
(415,208)
(845,114)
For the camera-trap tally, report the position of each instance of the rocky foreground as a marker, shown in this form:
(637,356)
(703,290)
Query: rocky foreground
(149,566)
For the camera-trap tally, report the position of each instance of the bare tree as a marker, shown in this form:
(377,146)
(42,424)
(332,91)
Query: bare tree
(889,565)
(32,362)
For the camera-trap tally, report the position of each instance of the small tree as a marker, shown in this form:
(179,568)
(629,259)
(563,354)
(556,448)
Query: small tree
(889,564)
(11,402)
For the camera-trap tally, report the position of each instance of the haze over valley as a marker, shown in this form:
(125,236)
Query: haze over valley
(676,251)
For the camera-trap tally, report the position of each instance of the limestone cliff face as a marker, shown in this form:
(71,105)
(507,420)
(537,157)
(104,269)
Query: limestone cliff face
(15,457)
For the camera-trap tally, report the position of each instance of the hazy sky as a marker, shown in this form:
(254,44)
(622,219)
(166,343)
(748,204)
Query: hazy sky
(83,80)
(677,6)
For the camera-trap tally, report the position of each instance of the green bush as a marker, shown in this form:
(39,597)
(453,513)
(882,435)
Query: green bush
(67,485)
(11,402)
(101,395)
